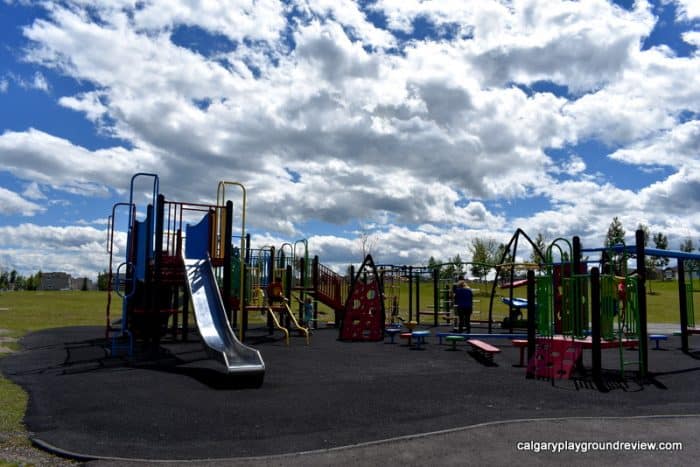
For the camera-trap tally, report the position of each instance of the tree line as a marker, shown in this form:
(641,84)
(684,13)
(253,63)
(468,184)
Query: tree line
(486,253)
(13,280)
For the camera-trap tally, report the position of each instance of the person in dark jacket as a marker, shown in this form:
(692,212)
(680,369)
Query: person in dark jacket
(464,303)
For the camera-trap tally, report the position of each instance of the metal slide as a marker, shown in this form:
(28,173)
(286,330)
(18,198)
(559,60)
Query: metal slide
(218,337)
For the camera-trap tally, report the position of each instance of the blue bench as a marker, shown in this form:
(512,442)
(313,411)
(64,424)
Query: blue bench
(419,338)
(392,332)
(656,338)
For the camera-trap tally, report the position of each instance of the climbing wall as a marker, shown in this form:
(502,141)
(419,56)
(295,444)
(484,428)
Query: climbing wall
(554,358)
(363,318)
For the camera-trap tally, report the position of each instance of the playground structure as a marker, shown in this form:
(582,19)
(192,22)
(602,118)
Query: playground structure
(404,293)
(180,253)
(577,309)
(364,316)
(572,305)
(572,308)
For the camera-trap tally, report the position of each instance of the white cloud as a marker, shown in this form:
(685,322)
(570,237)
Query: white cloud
(416,138)
(581,45)
(259,20)
(692,38)
(79,251)
(348,13)
(688,10)
(33,191)
(31,155)
(88,103)
(39,82)
(675,148)
(12,203)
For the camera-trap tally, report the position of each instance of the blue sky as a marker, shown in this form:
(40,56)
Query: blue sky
(423,125)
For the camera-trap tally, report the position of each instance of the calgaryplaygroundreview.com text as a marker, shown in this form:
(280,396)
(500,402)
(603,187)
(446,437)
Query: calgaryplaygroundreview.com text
(589,446)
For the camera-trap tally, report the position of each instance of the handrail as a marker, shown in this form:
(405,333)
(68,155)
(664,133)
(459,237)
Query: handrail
(330,284)
(156,184)
(221,201)
(307,263)
(110,250)
(278,325)
(132,213)
(295,321)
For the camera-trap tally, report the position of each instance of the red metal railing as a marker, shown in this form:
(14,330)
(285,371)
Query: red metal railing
(331,288)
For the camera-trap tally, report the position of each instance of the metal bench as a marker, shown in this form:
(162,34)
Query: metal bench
(656,338)
(522,345)
(392,332)
(452,339)
(483,349)
(419,338)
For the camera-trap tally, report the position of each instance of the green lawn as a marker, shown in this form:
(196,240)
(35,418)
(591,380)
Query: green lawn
(23,312)
(32,311)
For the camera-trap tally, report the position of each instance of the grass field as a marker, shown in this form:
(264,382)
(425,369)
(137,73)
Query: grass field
(23,312)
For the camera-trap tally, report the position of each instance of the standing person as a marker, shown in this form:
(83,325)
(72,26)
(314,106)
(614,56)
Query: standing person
(464,304)
(308,312)
(622,299)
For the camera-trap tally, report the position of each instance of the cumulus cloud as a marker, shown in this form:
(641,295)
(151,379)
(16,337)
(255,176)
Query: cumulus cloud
(675,148)
(692,37)
(330,115)
(688,10)
(12,203)
(80,251)
(33,191)
(32,155)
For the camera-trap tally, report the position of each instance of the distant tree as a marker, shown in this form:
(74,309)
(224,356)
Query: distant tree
(541,244)
(483,252)
(659,262)
(661,243)
(85,284)
(615,236)
(33,282)
(502,255)
(4,280)
(616,233)
(432,263)
(649,261)
(367,243)
(447,271)
(103,280)
(20,282)
(687,246)
(458,266)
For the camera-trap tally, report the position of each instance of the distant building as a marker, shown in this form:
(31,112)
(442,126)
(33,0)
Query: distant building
(82,283)
(55,281)
(670,273)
